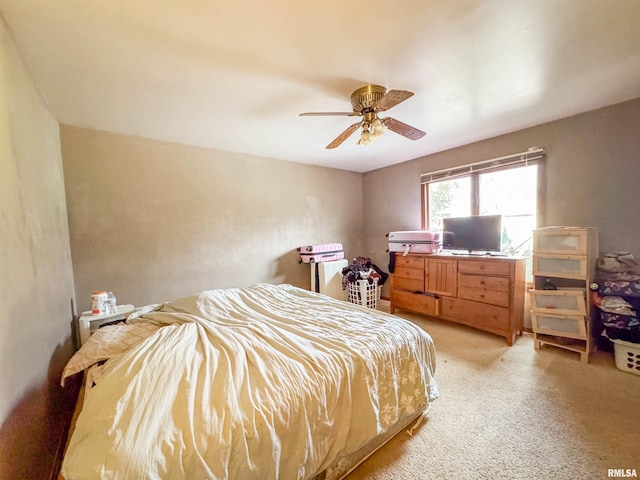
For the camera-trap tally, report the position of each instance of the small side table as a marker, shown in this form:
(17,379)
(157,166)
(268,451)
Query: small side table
(89,323)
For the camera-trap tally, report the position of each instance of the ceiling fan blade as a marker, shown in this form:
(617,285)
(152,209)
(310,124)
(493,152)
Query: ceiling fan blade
(328,114)
(391,99)
(344,135)
(403,129)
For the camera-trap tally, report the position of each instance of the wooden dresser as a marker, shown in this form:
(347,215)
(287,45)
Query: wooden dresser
(483,292)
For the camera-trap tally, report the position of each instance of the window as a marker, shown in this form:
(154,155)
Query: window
(507,186)
(511,193)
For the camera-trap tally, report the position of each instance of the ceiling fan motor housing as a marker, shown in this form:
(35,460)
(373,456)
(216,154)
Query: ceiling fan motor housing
(364,98)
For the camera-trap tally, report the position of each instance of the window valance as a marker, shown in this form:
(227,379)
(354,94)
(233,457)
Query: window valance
(533,154)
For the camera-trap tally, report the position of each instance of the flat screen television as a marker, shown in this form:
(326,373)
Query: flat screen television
(480,234)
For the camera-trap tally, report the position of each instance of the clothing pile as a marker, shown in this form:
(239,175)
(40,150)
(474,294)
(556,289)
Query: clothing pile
(618,296)
(618,266)
(362,268)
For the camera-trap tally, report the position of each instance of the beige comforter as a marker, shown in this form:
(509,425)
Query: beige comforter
(261,383)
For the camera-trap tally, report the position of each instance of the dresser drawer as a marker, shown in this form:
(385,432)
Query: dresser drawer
(564,266)
(493,290)
(570,241)
(410,261)
(484,267)
(561,325)
(411,284)
(559,302)
(409,273)
(422,303)
(482,315)
(406,278)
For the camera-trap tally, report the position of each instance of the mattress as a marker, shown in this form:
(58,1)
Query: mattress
(270,381)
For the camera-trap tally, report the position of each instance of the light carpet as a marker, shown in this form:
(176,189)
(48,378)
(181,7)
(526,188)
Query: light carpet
(515,413)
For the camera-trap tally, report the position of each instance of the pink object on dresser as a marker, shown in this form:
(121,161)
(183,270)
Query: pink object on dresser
(415,241)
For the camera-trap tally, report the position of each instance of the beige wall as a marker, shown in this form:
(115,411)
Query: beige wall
(592,178)
(153,221)
(36,282)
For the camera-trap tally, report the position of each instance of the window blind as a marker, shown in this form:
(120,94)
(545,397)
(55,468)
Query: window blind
(531,155)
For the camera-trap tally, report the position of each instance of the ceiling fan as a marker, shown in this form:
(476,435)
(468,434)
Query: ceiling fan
(367,102)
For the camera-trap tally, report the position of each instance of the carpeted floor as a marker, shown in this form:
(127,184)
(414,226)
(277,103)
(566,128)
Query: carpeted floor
(515,413)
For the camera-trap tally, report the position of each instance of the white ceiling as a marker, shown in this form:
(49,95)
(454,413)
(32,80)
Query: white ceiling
(234,74)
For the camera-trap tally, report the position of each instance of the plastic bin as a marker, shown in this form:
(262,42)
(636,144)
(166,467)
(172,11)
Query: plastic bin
(364,293)
(627,356)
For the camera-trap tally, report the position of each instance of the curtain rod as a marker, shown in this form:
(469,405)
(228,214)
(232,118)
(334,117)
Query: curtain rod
(535,152)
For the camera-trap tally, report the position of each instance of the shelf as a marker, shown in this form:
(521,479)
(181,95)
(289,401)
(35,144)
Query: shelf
(579,346)
(121,310)
(562,317)
(88,322)
(567,343)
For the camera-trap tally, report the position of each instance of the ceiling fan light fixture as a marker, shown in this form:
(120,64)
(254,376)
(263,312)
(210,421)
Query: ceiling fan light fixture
(378,129)
(366,138)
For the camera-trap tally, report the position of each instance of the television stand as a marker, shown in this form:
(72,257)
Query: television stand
(482,291)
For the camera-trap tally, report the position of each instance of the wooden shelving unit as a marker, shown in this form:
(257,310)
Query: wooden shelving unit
(564,257)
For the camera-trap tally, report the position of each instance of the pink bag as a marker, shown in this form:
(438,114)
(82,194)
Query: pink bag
(415,241)
(324,252)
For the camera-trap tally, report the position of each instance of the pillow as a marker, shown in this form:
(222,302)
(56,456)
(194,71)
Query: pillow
(105,343)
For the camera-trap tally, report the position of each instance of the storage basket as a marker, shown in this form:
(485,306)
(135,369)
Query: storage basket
(364,293)
(627,356)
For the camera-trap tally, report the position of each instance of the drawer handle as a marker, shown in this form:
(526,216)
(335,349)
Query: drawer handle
(482,295)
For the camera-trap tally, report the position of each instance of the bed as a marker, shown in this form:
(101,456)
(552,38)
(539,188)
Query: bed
(264,382)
